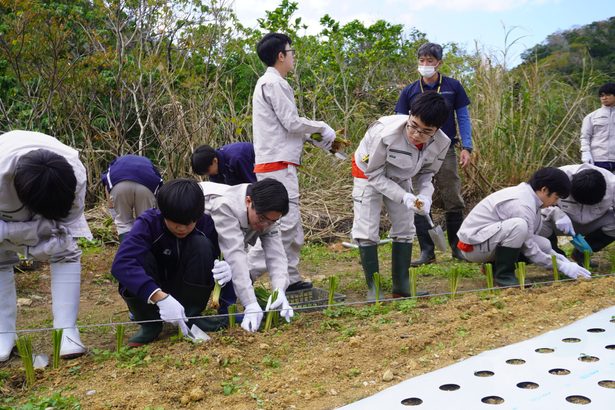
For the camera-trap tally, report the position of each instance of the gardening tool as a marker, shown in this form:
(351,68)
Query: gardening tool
(196,335)
(436,234)
(580,244)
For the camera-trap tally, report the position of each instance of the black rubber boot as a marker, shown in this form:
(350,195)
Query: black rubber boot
(369,262)
(453,223)
(427,246)
(554,244)
(597,240)
(400,266)
(148,332)
(504,266)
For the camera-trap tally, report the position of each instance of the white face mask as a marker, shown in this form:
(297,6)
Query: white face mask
(427,71)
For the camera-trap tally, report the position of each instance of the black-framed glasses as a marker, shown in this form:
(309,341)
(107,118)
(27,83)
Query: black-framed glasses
(263,220)
(421,132)
(291,50)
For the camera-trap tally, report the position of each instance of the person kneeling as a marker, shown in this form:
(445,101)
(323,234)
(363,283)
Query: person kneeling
(166,267)
(505,225)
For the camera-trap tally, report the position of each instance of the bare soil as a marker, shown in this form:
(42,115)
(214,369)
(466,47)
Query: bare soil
(319,361)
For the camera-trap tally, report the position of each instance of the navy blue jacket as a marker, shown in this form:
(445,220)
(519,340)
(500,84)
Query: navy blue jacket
(235,164)
(132,168)
(450,89)
(150,235)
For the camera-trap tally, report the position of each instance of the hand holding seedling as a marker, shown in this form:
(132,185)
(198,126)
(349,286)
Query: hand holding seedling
(280,301)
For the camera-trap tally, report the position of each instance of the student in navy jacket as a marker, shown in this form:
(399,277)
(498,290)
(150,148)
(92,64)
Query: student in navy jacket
(132,182)
(231,164)
(166,267)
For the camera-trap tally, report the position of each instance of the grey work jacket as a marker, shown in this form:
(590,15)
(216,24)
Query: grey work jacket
(226,205)
(390,162)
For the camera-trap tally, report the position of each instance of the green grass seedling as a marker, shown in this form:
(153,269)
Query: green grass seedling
(119,337)
(586,259)
(453,280)
(271,313)
(56,336)
(333,283)
(232,310)
(489,276)
(520,272)
(24,347)
(378,286)
(555,270)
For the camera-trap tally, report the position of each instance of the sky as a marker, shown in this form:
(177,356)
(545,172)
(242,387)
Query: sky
(466,22)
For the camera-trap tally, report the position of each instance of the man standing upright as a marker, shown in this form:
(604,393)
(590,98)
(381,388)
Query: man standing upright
(279,135)
(446,181)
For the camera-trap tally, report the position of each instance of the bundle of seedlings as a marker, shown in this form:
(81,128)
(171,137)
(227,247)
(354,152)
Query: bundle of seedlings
(339,143)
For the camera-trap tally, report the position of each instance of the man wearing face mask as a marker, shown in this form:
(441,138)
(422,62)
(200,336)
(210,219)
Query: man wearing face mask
(446,181)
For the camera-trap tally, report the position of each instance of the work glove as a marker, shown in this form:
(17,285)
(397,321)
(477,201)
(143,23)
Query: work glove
(426,205)
(171,311)
(410,201)
(564,224)
(586,157)
(252,317)
(572,270)
(222,272)
(58,242)
(280,302)
(328,136)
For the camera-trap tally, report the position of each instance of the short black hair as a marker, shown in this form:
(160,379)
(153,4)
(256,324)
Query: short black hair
(270,46)
(45,182)
(202,158)
(554,179)
(430,49)
(181,201)
(431,108)
(588,187)
(608,88)
(268,195)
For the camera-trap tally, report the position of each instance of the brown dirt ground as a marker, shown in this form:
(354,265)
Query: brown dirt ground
(318,362)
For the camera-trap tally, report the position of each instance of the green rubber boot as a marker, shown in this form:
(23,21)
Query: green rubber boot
(369,261)
(504,266)
(140,310)
(400,266)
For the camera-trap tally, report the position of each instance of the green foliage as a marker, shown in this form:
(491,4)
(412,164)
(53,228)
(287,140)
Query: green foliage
(568,52)
(56,401)
(114,78)
(126,357)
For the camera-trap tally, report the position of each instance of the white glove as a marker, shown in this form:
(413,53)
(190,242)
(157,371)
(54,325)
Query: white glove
(410,202)
(328,136)
(426,205)
(171,311)
(222,272)
(564,224)
(252,317)
(586,157)
(287,311)
(574,271)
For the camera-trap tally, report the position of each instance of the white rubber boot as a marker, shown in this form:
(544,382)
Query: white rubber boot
(8,313)
(65,289)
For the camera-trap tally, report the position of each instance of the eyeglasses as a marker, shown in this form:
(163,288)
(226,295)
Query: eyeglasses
(421,132)
(263,220)
(289,50)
